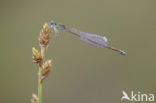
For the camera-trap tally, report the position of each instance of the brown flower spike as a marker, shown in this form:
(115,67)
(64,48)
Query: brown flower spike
(37,58)
(46,67)
(44,38)
(34,99)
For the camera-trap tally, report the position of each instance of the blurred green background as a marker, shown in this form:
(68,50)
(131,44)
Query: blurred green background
(81,73)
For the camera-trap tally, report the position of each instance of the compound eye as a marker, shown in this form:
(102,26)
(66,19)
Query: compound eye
(52,22)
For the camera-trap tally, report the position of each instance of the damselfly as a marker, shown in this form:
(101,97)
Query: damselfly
(93,39)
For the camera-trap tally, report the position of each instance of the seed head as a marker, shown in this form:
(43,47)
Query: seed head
(44,38)
(46,69)
(34,99)
(37,58)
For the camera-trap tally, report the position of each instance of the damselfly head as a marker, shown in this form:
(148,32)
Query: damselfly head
(54,26)
(52,23)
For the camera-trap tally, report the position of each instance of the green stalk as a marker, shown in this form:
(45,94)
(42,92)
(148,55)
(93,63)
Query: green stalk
(39,86)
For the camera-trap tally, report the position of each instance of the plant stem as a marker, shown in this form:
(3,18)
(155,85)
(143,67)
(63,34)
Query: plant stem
(39,86)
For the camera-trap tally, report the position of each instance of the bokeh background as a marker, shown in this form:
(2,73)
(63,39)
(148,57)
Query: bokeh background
(81,73)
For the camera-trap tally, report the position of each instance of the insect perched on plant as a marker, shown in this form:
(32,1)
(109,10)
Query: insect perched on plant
(92,39)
